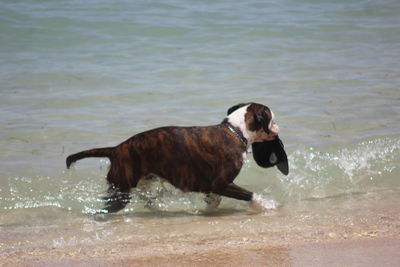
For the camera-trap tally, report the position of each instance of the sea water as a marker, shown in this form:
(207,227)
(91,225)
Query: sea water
(83,74)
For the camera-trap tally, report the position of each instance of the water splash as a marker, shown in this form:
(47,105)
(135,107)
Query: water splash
(263,203)
(317,172)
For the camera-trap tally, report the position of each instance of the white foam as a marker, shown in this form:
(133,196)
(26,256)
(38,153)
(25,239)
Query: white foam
(262,203)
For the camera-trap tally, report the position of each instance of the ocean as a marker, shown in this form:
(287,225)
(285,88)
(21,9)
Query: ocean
(82,74)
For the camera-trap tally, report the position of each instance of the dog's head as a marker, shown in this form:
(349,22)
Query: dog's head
(256,121)
(257,124)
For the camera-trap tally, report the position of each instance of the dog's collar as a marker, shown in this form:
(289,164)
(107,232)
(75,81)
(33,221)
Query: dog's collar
(238,134)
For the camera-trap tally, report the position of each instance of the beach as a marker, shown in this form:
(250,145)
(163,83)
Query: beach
(367,250)
(77,75)
(369,238)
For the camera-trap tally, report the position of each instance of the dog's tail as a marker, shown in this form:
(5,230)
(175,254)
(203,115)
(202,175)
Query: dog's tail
(106,152)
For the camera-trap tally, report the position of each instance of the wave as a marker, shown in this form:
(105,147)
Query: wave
(322,172)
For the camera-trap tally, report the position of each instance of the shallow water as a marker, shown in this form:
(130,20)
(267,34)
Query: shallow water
(77,75)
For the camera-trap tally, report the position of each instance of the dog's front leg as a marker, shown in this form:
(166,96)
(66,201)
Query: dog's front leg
(256,201)
(232,190)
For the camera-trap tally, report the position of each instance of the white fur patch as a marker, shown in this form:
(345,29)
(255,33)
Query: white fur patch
(272,126)
(244,155)
(237,119)
(272,121)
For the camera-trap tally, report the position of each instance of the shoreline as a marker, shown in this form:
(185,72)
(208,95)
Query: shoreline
(357,230)
(233,251)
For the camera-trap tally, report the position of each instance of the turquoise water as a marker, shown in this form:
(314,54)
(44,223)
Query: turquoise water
(83,74)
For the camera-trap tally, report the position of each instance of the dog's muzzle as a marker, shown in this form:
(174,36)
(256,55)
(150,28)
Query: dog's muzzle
(274,129)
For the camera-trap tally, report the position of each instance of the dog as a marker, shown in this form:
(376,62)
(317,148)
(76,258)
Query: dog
(194,159)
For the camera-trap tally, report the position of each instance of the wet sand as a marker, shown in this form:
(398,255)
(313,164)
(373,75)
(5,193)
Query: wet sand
(356,230)
(367,250)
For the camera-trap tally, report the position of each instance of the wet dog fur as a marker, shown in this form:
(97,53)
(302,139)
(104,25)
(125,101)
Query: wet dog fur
(193,159)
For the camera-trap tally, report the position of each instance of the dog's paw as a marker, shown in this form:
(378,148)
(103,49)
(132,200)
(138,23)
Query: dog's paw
(261,203)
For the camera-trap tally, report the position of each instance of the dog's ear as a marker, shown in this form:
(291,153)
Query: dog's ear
(270,153)
(232,109)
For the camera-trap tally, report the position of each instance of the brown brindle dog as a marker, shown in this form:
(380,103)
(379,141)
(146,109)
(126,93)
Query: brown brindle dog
(194,159)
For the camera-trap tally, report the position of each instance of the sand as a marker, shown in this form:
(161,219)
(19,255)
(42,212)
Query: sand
(355,231)
(368,250)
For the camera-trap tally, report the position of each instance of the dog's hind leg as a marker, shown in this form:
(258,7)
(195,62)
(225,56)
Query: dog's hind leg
(116,200)
(212,201)
(121,179)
